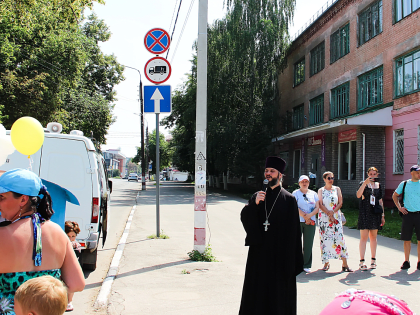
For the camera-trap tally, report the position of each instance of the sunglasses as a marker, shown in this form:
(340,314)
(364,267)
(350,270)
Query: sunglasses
(305,198)
(330,178)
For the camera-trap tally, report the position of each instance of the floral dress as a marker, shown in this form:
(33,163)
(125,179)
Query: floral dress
(331,235)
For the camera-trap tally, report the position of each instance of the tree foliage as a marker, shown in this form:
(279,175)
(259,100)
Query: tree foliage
(165,152)
(245,50)
(52,67)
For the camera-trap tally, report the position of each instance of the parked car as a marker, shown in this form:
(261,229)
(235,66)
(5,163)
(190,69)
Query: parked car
(72,162)
(133,176)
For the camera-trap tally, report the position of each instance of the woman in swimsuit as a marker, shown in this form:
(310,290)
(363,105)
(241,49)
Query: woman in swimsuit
(31,245)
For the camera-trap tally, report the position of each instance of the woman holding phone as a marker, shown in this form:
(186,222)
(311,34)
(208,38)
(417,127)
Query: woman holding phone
(369,222)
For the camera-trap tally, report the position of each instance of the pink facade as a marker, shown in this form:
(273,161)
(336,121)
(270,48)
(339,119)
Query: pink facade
(408,119)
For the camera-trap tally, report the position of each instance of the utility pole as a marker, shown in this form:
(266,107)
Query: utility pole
(200,195)
(143,171)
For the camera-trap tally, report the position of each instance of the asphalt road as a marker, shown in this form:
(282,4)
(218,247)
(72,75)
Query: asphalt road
(123,198)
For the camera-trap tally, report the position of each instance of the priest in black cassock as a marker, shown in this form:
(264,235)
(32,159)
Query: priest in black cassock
(271,222)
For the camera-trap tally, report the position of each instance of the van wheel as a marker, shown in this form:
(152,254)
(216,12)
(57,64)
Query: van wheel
(89,259)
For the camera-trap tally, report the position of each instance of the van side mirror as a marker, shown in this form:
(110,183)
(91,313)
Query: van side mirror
(110,185)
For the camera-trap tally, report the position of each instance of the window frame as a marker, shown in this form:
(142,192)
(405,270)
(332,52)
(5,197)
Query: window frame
(297,118)
(366,19)
(394,144)
(317,59)
(396,19)
(346,106)
(343,44)
(365,78)
(299,163)
(415,59)
(297,72)
(350,164)
(319,110)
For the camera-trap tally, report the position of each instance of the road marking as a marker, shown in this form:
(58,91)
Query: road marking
(102,299)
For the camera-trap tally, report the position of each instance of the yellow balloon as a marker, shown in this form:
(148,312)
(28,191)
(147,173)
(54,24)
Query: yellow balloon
(27,135)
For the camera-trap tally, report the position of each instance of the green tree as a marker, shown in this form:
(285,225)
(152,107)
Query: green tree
(165,151)
(245,53)
(52,66)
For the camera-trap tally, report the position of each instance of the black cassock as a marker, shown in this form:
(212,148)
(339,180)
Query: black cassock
(274,257)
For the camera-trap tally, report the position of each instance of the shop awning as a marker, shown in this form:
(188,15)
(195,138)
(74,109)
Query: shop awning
(379,117)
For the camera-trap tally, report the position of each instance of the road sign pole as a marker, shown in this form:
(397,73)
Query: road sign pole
(157,178)
(200,198)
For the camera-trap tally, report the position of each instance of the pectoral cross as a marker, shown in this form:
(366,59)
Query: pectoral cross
(266,224)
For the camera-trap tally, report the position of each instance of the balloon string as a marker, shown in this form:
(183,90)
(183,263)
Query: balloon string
(30,163)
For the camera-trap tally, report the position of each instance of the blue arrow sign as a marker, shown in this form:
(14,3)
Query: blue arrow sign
(157,99)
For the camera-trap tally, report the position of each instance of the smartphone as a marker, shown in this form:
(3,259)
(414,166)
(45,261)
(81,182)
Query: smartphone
(374,179)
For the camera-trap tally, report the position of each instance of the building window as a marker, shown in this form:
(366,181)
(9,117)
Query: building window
(347,161)
(408,74)
(370,89)
(298,117)
(370,22)
(402,8)
(317,59)
(316,110)
(340,101)
(340,43)
(299,73)
(399,151)
(296,163)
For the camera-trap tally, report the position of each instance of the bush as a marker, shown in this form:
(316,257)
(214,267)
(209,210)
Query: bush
(115,173)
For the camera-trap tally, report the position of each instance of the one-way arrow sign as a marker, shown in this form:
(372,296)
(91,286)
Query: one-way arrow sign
(157,99)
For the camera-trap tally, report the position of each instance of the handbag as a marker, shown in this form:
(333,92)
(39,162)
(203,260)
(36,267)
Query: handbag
(343,218)
(401,199)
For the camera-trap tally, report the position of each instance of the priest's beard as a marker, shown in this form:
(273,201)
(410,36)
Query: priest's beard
(273,182)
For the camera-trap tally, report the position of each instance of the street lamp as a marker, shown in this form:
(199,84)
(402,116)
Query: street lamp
(143,171)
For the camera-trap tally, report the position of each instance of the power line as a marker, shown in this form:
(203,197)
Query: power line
(183,27)
(173,14)
(179,7)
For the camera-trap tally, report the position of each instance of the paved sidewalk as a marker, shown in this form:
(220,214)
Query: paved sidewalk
(152,276)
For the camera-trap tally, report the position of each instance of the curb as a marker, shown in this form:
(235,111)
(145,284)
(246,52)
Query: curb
(102,298)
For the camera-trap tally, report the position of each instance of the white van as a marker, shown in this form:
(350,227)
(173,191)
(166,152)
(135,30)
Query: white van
(72,162)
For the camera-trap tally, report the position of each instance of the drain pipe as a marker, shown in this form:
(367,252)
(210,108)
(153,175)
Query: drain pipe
(364,149)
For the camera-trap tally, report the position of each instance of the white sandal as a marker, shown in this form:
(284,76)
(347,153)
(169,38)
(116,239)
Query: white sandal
(69,307)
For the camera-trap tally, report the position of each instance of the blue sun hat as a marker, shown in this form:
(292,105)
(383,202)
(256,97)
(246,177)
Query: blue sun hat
(21,181)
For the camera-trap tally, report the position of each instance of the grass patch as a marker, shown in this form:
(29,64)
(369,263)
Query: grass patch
(208,256)
(185,272)
(392,227)
(162,236)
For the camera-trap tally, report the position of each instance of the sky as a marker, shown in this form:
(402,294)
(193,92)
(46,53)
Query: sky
(129,21)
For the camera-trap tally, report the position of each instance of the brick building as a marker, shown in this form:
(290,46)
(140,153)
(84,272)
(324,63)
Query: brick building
(349,94)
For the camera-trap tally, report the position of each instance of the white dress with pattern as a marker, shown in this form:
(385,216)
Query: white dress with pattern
(331,235)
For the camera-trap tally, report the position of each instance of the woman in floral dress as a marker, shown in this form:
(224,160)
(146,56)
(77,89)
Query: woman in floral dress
(331,235)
